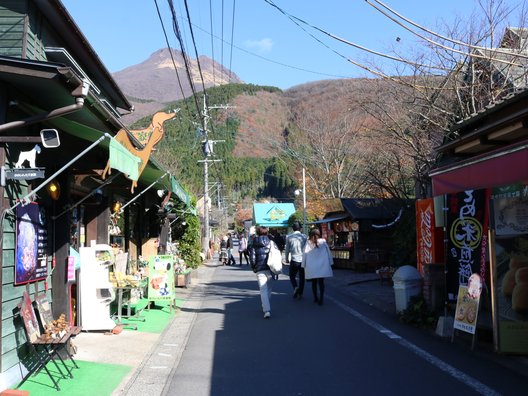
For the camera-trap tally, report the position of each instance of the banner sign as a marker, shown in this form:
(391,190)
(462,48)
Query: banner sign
(31,244)
(467,224)
(161,278)
(426,235)
(510,271)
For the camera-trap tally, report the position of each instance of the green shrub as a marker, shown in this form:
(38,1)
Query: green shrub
(418,314)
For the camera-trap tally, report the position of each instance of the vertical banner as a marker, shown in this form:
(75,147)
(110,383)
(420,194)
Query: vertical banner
(425,233)
(466,227)
(161,278)
(31,243)
(510,273)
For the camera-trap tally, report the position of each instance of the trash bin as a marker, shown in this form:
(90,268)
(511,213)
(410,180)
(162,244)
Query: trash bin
(407,283)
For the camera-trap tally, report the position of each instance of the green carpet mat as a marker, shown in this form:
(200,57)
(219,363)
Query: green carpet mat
(89,379)
(156,318)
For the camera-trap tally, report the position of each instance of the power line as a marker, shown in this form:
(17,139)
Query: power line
(497,50)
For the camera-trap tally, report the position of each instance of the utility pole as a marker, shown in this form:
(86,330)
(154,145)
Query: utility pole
(207,148)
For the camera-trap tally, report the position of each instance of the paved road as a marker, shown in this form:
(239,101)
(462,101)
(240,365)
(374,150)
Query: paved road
(341,348)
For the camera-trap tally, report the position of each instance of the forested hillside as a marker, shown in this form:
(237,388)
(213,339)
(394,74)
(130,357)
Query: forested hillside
(249,135)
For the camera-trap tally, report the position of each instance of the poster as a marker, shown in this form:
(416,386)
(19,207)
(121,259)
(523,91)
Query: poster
(161,278)
(510,272)
(467,234)
(467,306)
(31,244)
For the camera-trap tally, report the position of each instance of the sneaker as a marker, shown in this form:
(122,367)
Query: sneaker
(267,315)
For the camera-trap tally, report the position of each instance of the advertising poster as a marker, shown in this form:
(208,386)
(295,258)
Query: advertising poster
(468,305)
(31,242)
(467,234)
(161,278)
(429,244)
(510,292)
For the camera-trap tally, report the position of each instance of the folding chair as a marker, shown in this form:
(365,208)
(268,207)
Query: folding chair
(44,347)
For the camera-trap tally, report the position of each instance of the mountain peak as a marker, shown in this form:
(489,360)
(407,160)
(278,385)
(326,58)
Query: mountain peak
(162,78)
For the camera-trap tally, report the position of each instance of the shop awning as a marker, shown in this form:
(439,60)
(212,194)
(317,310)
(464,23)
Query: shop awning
(272,214)
(331,218)
(493,169)
(371,208)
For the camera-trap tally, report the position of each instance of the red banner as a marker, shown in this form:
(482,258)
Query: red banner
(428,238)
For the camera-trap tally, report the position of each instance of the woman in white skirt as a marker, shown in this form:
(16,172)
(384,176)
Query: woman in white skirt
(317,263)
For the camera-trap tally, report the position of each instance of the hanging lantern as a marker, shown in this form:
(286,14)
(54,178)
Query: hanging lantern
(54,189)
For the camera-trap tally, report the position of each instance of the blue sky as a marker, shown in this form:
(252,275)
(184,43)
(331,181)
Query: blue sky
(267,47)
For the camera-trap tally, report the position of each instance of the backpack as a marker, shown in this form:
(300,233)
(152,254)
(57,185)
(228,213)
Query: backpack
(274,259)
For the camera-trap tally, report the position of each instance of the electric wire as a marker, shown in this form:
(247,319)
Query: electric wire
(232,35)
(471,55)
(195,48)
(171,54)
(295,19)
(212,39)
(461,43)
(271,60)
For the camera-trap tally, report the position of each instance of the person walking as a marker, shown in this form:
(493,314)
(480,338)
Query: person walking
(293,254)
(242,248)
(317,262)
(230,258)
(258,258)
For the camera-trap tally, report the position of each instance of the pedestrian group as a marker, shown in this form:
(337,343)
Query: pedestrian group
(309,259)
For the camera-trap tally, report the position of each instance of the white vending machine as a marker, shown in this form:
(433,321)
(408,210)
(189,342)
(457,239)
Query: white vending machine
(95,290)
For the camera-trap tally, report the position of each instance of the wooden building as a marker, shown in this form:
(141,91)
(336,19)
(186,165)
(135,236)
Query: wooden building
(360,236)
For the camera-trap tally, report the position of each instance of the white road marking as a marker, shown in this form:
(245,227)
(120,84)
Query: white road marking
(164,354)
(452,371)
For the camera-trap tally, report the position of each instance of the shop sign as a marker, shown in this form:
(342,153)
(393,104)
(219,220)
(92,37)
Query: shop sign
(468,305)
(21,174)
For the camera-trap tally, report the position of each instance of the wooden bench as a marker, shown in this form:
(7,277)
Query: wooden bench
(46,347)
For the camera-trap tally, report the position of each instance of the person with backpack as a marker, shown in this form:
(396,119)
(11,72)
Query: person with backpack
(293,253)
(317,262)
(258,258)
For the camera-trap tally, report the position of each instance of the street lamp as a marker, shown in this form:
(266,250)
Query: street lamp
(297,192)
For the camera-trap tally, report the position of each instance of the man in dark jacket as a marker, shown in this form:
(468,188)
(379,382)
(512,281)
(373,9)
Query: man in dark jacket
(258,257)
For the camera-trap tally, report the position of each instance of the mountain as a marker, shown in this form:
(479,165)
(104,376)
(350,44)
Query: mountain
(151,84)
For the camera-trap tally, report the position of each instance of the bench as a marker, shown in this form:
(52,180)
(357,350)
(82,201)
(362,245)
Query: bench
(46,339)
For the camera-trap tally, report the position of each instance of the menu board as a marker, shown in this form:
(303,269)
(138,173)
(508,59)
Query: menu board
(468,305)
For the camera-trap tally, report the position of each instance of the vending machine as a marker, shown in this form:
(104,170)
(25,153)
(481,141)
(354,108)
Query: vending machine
(95,291)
